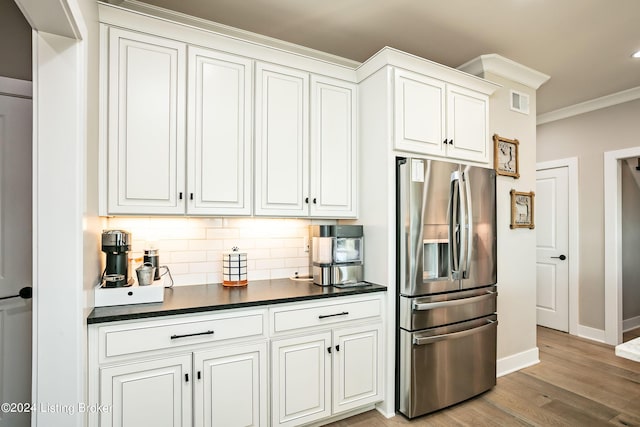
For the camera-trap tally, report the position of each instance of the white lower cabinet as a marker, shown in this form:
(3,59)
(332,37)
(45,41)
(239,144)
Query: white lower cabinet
(150,393)
(325,358)
(356,367)
(322,374)
(230,386)
(301,379)
(288,365)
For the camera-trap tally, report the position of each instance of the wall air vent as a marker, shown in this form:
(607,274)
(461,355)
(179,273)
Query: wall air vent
(520,102)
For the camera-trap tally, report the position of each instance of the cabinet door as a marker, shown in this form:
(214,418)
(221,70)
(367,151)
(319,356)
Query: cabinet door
(333,158)
(231,386)
(467,124)
(357,369)
(219,133)
(300,379)
(419,113)
(146,137)
(153,393)
(282,141)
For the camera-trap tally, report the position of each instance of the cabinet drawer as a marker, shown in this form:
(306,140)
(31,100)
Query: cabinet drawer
(139,337)
(310,315)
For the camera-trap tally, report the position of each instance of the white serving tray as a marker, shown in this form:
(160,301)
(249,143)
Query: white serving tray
(133,294)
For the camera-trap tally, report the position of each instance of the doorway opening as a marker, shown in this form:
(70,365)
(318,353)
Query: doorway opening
(614,162)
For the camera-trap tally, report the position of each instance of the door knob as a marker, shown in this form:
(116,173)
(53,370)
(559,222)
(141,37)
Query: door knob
(561,257)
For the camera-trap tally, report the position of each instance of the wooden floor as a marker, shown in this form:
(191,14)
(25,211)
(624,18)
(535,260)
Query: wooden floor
(578,382)
(632,334)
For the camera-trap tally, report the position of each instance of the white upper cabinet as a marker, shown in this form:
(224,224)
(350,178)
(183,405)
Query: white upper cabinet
(146,122)
(419,113)
(436,118)
(219,133)
(468,124)
(196,122)
(333,156)
(298,175)
(282,141)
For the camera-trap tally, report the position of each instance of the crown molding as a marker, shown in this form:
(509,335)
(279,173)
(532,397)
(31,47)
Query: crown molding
(228,31)
(591,105)
(397,58)
(505,67)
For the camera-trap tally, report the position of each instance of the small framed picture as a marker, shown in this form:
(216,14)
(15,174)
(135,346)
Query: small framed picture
(505,156)
(522,209)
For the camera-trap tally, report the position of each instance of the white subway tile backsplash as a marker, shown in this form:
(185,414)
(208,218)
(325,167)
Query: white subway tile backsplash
(296,262)
(223,233)
(192,247)
(264,264)
(188,256)
(284,253)
(205,245)
(259,275)
(205,267)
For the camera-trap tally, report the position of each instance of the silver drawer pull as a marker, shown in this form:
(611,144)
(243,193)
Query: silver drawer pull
(324,316)
(431,305)
(453,335)
(175,337)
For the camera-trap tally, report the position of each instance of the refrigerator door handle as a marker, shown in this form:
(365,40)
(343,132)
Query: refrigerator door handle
(454,335)
(418,306)
(468,226)
(463,230)
(454,226)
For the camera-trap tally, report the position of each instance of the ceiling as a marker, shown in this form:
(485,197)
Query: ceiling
(584,45)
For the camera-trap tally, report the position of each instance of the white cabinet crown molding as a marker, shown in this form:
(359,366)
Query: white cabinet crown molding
(390,56)
(505,67)
(200,32)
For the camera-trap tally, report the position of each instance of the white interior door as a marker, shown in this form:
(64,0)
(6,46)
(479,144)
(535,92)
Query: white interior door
(552,234)
(15,257)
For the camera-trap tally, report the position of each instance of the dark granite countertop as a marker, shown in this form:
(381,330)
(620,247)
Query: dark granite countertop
(203,298)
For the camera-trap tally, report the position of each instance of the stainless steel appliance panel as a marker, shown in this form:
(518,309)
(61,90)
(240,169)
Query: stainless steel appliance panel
(443,309)
(423,206)
(482,251)
(446,365)
(338,274)
(448,210)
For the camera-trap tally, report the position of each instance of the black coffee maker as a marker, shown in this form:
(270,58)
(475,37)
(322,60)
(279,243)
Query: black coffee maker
(116,244)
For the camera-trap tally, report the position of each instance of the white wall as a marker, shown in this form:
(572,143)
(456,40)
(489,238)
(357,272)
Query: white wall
(587,137)
(516,248)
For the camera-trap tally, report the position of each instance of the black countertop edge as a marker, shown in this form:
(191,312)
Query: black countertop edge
(214,297)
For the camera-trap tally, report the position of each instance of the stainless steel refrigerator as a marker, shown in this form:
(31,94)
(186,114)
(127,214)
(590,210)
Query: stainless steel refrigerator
(446,276)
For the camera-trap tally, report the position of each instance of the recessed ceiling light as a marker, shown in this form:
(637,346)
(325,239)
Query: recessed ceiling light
(636,54)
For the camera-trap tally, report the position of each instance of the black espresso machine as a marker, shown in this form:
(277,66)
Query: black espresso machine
(116,244)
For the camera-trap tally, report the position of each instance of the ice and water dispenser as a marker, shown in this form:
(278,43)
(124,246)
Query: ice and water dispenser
(436,259)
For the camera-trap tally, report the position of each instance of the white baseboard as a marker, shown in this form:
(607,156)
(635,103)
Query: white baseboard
(630,324)
(385,413)
(591,333)
(515,362)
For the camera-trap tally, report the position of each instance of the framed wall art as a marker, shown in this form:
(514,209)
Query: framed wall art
(505,156)
(522,209)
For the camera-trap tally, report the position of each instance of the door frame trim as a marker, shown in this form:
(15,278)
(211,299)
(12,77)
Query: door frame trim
(613,242)
(573,255)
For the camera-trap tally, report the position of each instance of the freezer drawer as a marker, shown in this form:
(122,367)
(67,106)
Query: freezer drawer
(443,309)
(443,366)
